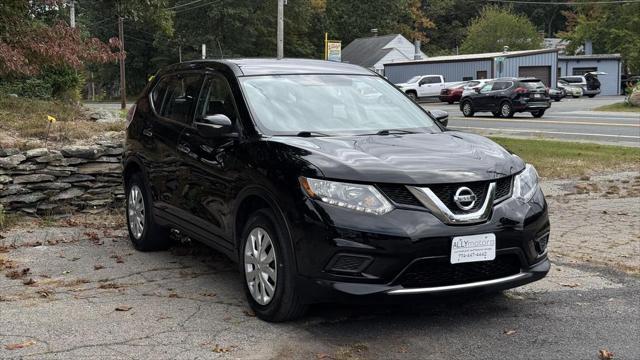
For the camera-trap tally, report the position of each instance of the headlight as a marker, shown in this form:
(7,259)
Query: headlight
(357,197)
(526,183)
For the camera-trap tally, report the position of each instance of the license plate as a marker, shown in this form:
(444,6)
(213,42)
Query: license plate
(473,248)
(536,95)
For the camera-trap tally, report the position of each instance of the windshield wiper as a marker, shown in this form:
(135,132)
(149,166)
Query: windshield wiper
(311,134)
(395,131)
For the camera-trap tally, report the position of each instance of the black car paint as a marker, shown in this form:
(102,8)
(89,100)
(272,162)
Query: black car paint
(492,100)
(205,190)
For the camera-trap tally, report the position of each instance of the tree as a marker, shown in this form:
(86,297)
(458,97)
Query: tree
(497,27)
(32,38)
(613,28)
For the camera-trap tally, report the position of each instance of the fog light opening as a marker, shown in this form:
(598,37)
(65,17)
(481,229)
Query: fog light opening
(541,243)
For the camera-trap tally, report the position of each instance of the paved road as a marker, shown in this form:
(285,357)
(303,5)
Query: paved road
(570,119)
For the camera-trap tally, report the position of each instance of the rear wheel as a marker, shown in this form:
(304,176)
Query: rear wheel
(537,113)
(269,269)
(144,233)
(467,109)
(496,113)
(506,110)
(593,95)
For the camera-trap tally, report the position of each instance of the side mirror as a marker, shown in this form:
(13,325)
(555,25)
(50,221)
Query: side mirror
(477,90)
(214,125)
(441,116)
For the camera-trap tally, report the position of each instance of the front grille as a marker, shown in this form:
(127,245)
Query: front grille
(503,187)
(431,273)
(399,194)
(446,192)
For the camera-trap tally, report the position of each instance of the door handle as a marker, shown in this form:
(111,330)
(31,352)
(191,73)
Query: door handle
(147,132)
(183,149)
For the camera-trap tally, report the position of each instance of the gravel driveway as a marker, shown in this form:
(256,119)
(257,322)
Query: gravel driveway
(75,288)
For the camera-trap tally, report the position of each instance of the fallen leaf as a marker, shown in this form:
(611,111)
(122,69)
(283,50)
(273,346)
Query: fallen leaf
(210,294)
(19,345)
(605,354)
(323,356)
(66,272)
(509,332)
(44,294)
(249,313)
(109,286)
(29,281)
(123,308)
(98,267)
(16,274)
(173,295)
(570,285)
(220,349)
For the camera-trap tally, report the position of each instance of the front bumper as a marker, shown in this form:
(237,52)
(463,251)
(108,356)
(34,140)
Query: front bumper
(389,246)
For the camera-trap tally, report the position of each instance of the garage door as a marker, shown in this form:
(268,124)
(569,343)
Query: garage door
(541,72)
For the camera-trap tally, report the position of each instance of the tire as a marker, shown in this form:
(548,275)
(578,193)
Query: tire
(284,302)
(467,108)
(412,95)
(449,102)
(575,96)
(591,96)
(506,109)
(496,114)
(537,113)
(556,100)
(144,233)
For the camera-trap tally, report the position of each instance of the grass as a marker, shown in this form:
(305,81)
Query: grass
(561,159)
(24,119)
(621,107)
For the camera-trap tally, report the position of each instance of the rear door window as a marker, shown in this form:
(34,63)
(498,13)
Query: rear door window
(501,85)
(182,92)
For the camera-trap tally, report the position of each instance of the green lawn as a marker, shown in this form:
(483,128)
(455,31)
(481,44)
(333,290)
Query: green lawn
(623,107)
(560,159)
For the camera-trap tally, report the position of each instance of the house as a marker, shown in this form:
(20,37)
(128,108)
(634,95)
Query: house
(610,64)
(541,63)
(375,51)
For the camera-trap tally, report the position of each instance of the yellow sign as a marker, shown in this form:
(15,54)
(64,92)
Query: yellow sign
(51,119)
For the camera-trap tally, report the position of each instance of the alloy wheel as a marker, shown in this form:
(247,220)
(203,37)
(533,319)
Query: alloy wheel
(136,211)
(506,110)
(466,109)
(260,266)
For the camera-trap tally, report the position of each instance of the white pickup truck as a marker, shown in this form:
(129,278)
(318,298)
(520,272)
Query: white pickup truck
(424,86)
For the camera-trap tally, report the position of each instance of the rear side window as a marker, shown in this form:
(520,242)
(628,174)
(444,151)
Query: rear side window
(157,95)
(501,85)
(532,85)
(573,79)
(181,96)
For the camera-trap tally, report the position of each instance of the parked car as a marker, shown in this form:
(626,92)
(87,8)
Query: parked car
(556,94)
(506,96)
(570,90)
(323,191)
(424,86)
(478,84)
(454,92)
(589,82)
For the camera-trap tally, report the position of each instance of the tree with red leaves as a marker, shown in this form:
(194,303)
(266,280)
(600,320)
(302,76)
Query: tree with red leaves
(29,44)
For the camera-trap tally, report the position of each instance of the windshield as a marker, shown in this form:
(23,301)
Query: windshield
(331,105)
(413,79)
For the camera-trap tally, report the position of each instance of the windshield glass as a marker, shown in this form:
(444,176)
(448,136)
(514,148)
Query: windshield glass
(413,79)
(331,104)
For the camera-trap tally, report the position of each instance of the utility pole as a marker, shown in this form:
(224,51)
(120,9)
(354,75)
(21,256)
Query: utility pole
(123,83)
(72,13)
(280,29)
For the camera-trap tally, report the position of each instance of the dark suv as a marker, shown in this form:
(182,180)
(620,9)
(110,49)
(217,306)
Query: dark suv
(326,183)
(504,97)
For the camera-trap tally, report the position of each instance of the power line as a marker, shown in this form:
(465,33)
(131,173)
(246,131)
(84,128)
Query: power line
(193,8)
(183,5)
(566,3)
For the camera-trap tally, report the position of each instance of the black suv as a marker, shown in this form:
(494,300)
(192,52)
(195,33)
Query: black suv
(326,183)
(504,97)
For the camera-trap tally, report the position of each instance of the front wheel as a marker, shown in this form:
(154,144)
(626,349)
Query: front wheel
(269,269)
(412,95)
(467,109)
(537,113)
(591,96)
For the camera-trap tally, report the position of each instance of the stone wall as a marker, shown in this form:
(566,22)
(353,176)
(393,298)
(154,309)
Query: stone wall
(73,178)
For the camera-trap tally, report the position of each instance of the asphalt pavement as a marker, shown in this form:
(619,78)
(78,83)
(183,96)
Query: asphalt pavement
(570,119)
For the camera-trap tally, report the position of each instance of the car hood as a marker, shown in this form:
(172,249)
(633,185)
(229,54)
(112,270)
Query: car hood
(445,157)
(404,84)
